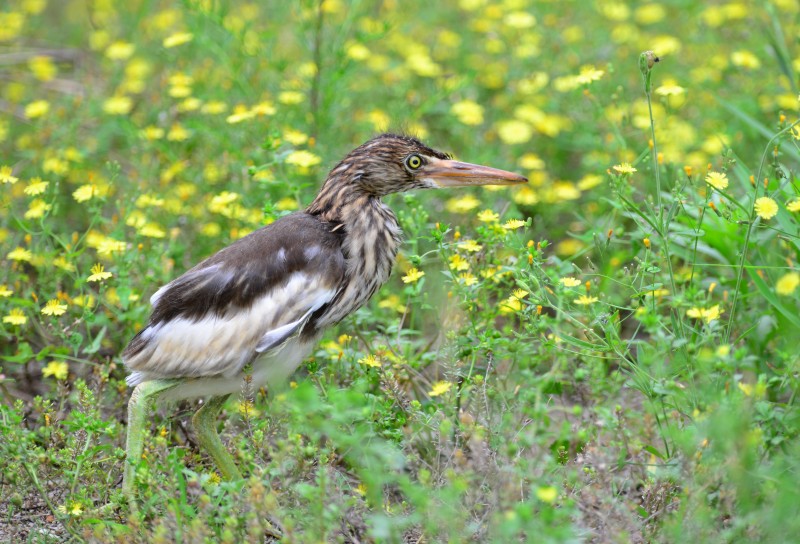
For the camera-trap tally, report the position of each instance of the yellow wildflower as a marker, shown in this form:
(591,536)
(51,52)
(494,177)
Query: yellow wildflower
(470,245)
(488,216)
(462,204)
(264,108)
(670,90)
(120,50)
(85,192)
(745,59)
(177,133)
(37,108)
(177,39)
(413,275)
(20,254)
(291,98)
(151,230)
(37,209)
(514,131)
(440,388)
(718,180)
(624,168)
(36,187)
(589,74)
(787,284)
(585,300)
(794,205)
(214,107)
(5,291)
(706,314)
(766,208)
(240,113)
(302,159)
(15,317)
(569,281)
(54,307)
(43,67)
(513,224)
(467,279)
(57,369)
(98,273)
(547,494)
(295,137)
(468,112)
(118,105)
(5,175)
(458,263)
(370,360)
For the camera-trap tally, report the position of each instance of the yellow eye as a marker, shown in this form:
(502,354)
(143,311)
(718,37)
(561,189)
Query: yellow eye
(414,161)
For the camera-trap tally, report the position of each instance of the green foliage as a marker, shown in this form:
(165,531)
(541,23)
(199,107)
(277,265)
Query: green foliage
(607,353)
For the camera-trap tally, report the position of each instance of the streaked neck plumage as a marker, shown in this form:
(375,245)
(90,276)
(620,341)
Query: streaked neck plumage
(372,237)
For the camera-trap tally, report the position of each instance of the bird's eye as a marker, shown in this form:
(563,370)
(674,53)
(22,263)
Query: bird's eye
(414,161)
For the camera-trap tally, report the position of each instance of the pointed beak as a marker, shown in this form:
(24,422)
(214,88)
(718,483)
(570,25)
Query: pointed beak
(448,173)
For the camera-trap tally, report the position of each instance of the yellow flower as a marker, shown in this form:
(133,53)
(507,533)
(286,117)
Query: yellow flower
(589,74)
(295,137)
(514,131)
(36,187)
(458,263)
(519,19)
(462,204)
(357,51)
(57,369)
(214,107)
(37,209)
(547,494)
(302,159)
(98,273)
(151,230)
(120,50)
(85,192)
(177,39)
(766,208)
(177,133)
(488,216)
(513,224)
(745,59)
(54,307)
(585,300)
(413,275)
(707,314)
(467,279)
(291,97)
(43,67)
(794,205)
(570,282)
(718,180)
(240,113)
(15,317)
(468,112)
(20,254)
(440,388)
(264,108)
(370,360)
(5,291)
(625,168)
(787,284)
(37,108)
(670,90)
(470,245)
(5,175)
(118,105)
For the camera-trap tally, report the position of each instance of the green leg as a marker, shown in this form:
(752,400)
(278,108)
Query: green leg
(138,408)
(205,423)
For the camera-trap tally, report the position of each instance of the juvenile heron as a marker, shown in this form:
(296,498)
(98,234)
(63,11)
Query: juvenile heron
(259,306)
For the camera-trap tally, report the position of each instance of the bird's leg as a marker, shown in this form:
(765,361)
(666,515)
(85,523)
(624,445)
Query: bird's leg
(138,407)
(205,423)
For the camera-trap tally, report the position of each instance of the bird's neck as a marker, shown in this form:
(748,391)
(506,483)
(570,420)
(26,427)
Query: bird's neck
(372,238)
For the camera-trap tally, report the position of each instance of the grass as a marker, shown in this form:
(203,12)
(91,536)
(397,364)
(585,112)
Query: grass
(606,354)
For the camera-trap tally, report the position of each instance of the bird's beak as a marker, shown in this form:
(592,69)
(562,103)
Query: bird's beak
(449,173)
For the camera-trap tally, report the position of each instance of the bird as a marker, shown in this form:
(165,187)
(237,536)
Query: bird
(254,310)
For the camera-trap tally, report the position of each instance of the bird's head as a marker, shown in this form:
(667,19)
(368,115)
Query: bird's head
(391,164)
